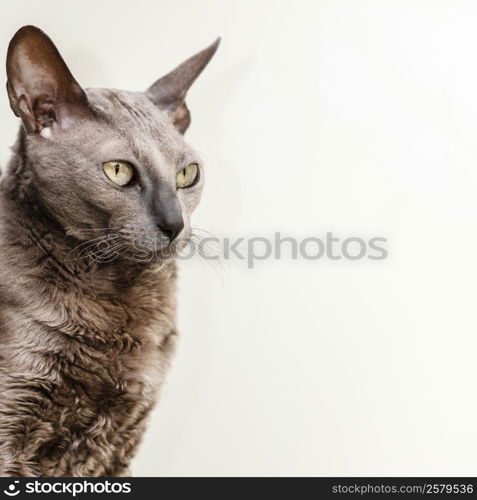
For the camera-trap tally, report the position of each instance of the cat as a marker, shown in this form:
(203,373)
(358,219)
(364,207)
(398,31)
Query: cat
(94,205)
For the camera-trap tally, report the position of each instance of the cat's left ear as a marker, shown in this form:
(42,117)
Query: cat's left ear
(41,88)
(169,92)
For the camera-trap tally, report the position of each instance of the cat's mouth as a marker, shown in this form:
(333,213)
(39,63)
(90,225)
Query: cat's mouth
(152,250)
(145,249)
(123,245)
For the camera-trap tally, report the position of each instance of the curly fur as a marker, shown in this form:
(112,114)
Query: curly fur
(85,344)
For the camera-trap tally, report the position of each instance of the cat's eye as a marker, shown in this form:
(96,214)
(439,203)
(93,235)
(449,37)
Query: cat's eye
(120,172)
(188,176)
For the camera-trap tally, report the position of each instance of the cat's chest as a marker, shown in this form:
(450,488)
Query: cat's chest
(111,353)
(112,385)
(98,360)
(126,358)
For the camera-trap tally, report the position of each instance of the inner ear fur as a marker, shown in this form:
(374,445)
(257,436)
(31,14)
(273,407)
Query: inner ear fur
(41,89)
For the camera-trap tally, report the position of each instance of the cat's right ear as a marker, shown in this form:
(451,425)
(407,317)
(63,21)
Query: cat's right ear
(41,88)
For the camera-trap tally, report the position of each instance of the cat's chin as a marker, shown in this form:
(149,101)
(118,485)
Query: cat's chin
(154,261)
(149,258)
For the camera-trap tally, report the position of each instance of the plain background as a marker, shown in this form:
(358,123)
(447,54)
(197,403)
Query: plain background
(356,117)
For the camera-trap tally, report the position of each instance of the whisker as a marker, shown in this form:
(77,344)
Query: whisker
(88,243)
(92,228)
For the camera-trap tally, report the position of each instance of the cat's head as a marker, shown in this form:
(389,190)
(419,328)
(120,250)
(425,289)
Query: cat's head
(104,158)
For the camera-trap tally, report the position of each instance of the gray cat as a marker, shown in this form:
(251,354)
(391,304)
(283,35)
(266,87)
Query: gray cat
(95,203)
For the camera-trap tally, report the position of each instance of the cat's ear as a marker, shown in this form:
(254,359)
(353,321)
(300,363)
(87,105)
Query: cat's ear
(41,88)
(169,92)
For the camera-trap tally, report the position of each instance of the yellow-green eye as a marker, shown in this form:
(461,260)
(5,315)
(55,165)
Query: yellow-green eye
(120,172)
(187,176)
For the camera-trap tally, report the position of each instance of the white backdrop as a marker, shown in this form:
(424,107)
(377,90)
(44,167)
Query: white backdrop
(357,117)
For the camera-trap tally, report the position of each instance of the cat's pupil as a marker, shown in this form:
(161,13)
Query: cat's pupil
(116,169)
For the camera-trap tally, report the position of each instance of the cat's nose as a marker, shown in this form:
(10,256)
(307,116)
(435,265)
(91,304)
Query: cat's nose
(171,229)
(168,212)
